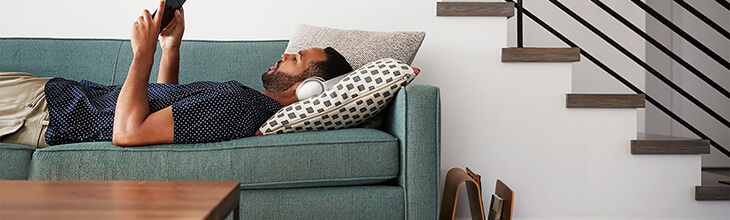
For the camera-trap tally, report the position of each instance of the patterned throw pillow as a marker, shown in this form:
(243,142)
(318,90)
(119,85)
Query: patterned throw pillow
(357,97)
(357,46)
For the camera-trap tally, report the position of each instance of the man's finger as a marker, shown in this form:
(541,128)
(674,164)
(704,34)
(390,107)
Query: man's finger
(160,12)
(147,16)
(181,16)
(178,17)
(140,19)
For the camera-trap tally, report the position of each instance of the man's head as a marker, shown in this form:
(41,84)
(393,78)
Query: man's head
(281,80)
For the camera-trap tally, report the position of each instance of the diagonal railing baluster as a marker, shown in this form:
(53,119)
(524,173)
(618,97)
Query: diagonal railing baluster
(704,18)
(662,48)
(682,33)
(724,3)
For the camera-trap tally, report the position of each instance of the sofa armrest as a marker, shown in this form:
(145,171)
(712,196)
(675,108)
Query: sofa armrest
(414,117)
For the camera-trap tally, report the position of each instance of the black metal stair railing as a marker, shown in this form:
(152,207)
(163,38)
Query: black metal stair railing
(521,10)
(662,48)
(724,3)
(642,63)
(704,18)
(682,33)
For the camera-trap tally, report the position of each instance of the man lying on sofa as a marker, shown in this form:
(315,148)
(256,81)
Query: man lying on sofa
(139,113)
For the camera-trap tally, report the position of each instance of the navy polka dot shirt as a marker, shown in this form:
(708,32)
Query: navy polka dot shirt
(202,111)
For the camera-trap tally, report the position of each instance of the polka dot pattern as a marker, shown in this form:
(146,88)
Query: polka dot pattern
(202,111)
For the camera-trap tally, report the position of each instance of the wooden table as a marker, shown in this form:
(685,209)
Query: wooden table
(118,200)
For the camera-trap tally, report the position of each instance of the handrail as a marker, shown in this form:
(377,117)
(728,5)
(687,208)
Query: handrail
(662,48)
(682,33)
(643,64)
(724,3)
(702,17)
(626,82)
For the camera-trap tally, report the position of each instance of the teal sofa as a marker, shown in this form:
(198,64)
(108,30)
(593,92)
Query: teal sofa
(357,173)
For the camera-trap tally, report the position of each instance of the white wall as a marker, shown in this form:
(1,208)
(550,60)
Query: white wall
(522,137)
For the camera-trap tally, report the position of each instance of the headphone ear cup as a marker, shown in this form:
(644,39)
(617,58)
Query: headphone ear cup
(313,86)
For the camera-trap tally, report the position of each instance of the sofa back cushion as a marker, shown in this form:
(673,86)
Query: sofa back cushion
(75,59)
(217,61)
(107,61)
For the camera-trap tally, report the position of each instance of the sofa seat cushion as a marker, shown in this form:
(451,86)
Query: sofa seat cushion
(308,159)
(14,161)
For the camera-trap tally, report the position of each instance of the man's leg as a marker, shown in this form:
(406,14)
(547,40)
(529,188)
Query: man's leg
(23,109)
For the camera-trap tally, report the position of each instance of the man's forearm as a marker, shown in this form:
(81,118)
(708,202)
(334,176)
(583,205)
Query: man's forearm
(132,105)
(169,66)
(133,123)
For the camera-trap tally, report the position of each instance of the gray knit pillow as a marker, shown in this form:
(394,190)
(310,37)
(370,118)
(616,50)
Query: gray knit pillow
(358,47)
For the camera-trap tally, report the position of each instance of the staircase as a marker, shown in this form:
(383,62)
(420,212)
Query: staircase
(606,169)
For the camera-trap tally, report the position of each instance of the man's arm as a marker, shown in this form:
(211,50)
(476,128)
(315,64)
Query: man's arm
(133,123)
(169,66)
(170,40)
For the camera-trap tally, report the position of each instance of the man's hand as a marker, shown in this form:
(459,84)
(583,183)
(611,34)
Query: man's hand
(170,40)
(145,31)
(171,36)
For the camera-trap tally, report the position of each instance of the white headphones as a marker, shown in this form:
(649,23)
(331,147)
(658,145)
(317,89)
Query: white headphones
(313,86)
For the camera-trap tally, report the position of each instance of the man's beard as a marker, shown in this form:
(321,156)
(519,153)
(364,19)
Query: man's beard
(279,81)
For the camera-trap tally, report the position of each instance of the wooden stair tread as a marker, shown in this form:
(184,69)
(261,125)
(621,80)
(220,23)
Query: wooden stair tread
(712,192)
(647,136)
(661,144)
(605,101)
(535,54)
(506,9)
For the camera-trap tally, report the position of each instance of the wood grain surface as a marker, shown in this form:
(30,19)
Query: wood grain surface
(506,9)
(704,193)
(535,54)
(508,195)
(661,144)
(117,199)
(605,100)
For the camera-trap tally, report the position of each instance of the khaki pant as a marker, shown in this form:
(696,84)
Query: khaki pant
(23,109)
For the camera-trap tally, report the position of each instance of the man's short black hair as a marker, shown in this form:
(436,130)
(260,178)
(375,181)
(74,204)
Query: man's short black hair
(334,66)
